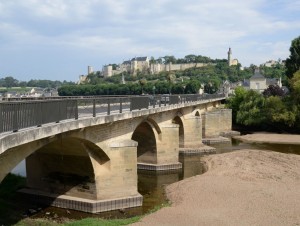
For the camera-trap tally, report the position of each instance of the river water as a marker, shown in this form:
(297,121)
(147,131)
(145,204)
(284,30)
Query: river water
(151,184)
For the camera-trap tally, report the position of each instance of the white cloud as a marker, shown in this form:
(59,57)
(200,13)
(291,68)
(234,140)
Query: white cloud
(110,29)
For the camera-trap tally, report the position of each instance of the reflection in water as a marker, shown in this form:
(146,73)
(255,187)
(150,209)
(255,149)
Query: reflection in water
(151,184)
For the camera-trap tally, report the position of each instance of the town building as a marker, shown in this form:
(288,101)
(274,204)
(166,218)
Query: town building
(259,83)
(272,63)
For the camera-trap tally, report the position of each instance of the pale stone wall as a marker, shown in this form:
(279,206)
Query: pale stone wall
(142,65)
(215,122)
(107,71)
(168,147)
(258,84)
(156,68)
(82,79)
(175,67)
(193,132)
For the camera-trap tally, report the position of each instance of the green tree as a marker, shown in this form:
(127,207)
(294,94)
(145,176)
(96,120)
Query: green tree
(295,86)
(250,110)
(10,82)
(142,83)
(178,88)
(169,59)
(152,60)
(170,78)
(190,58)
(192,87)
(235,101)
(293,62)
(278,114)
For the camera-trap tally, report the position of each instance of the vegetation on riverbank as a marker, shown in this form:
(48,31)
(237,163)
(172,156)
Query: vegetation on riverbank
(83,222)
(271,109)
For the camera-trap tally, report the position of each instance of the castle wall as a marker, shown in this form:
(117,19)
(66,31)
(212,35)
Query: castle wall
(156,68)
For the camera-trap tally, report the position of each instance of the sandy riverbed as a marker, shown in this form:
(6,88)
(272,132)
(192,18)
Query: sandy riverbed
(248,187)
(270,138)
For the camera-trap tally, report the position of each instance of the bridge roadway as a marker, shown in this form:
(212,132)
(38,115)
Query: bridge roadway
(84,153)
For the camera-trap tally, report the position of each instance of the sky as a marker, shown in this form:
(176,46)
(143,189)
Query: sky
(58,39)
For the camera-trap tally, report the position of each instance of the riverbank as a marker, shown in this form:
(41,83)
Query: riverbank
(248,187)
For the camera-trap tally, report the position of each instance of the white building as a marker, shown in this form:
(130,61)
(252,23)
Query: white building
(259,83)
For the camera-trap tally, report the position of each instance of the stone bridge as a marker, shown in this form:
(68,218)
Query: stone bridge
(88,159)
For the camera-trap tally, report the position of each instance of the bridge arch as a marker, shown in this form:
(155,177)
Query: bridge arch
(55,160)
(146,135)
(66,166)
(13,156)
(178,120)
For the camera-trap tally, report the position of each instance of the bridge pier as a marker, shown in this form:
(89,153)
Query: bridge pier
(192,142)
(167,150)
(216,124)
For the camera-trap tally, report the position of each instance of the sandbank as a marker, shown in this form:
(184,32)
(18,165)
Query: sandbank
(248,187)
(270,138)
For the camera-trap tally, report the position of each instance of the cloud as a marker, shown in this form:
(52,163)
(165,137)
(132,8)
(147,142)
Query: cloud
(109,31)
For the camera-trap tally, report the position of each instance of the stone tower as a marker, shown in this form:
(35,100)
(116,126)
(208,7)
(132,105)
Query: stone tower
(229,56)
(90,70)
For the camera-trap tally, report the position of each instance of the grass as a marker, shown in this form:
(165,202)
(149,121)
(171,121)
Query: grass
(96,222)
(36,222)
(83,222)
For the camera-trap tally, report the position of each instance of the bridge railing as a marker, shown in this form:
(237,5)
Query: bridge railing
(16,115)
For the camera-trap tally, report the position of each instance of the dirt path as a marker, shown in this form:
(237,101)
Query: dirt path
(249,187)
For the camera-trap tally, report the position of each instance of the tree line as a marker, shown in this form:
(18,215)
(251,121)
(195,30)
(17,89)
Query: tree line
(10,82)
(191,58)
(138,88)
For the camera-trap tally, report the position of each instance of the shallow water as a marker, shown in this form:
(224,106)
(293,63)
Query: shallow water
(235,145)
(151,184)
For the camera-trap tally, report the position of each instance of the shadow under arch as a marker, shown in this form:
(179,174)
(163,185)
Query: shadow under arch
(177,120)
(146,149)
(66,166)
(197,114)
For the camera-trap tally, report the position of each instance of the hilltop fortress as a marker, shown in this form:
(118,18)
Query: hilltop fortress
(144,65)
